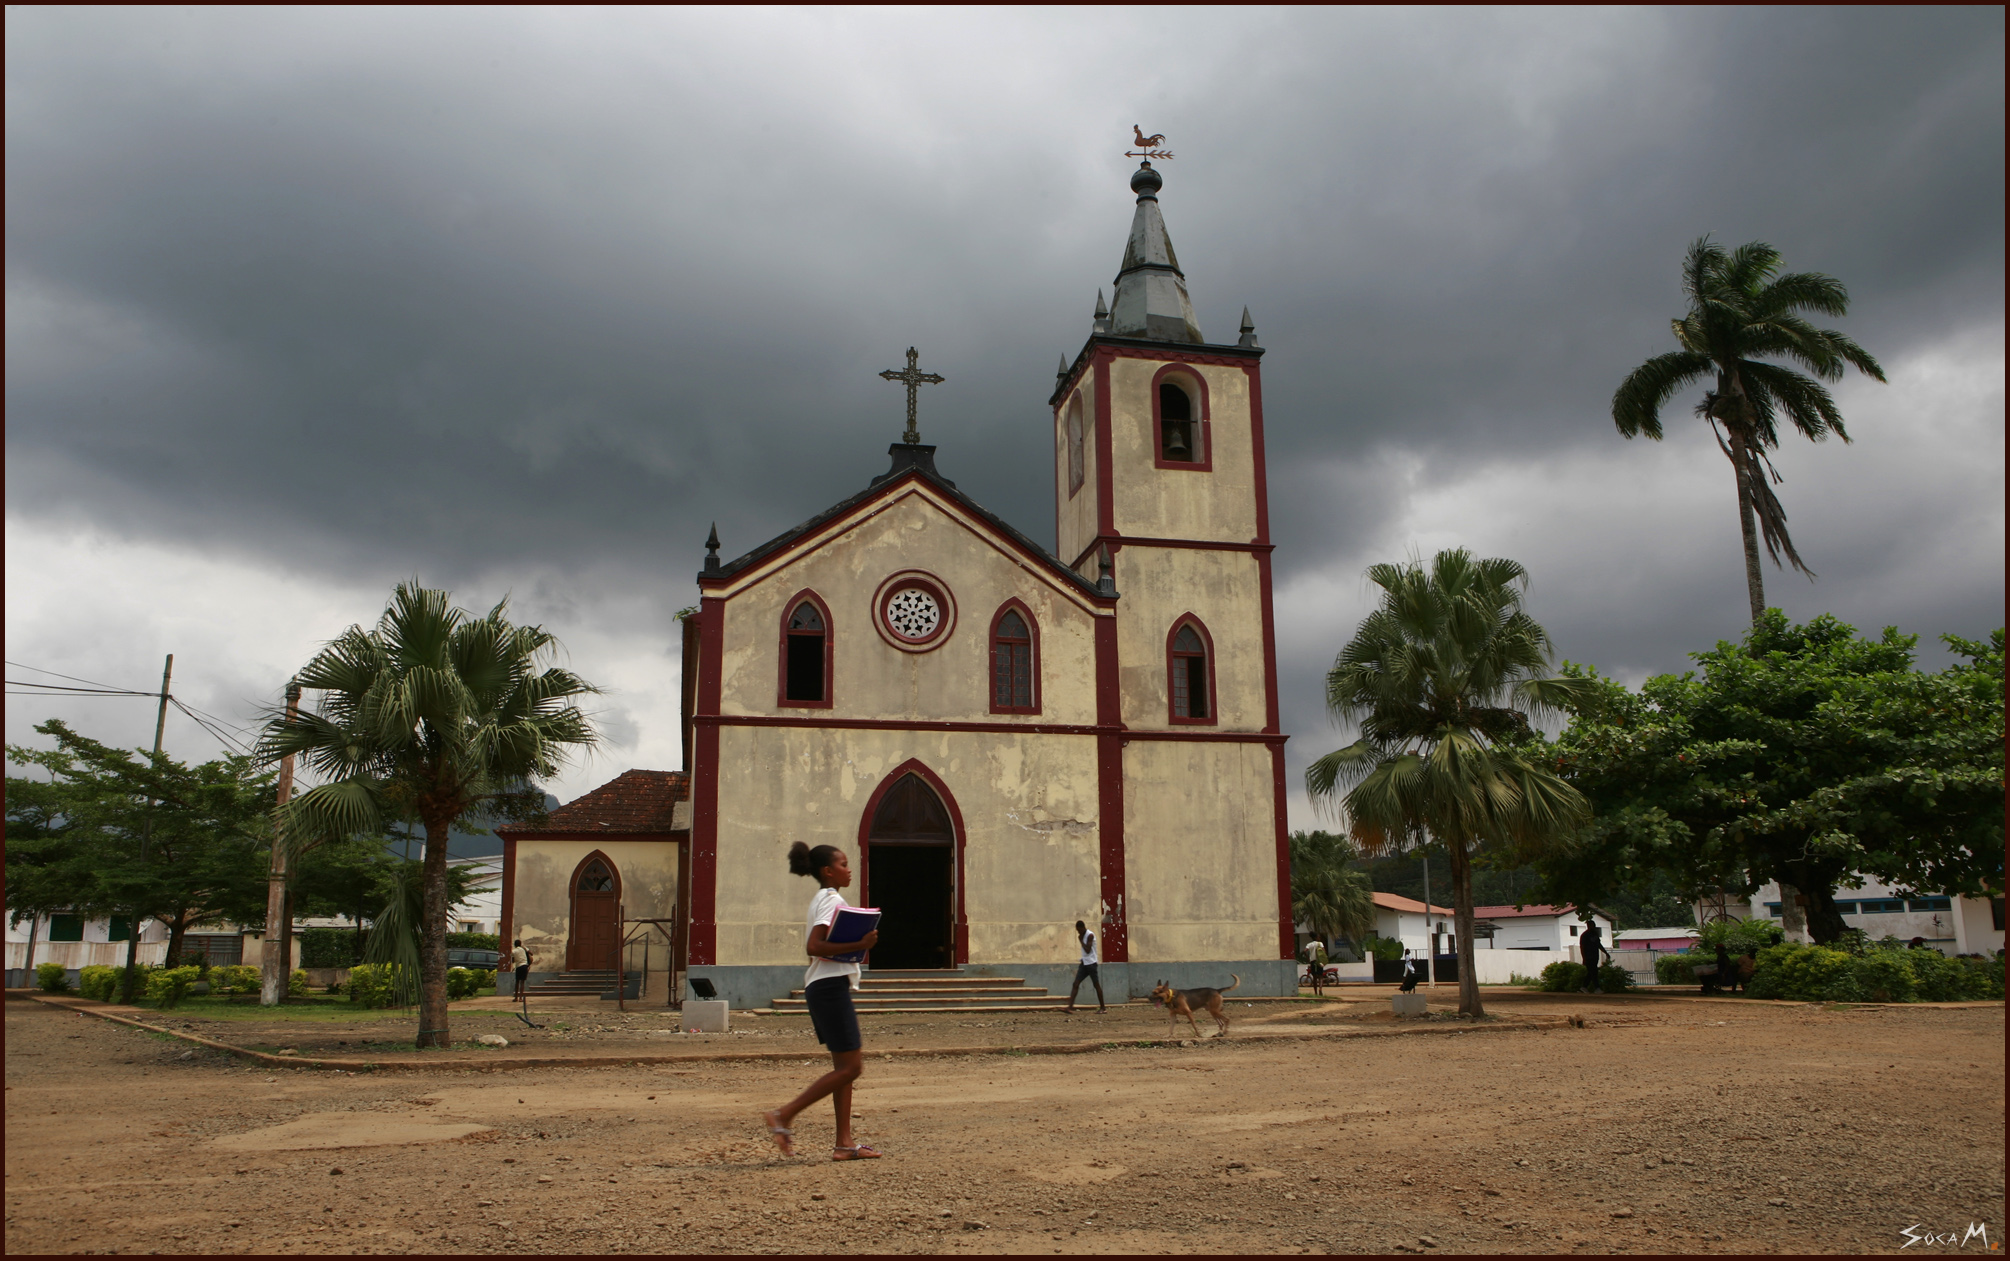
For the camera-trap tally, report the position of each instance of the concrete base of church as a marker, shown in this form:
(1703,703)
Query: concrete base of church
(747,986)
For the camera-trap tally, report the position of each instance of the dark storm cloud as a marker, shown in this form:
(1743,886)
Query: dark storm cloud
(484,294)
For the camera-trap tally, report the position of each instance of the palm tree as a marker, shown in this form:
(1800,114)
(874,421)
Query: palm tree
(1739,307)
(1442,679)
(1331,898)
(433,715)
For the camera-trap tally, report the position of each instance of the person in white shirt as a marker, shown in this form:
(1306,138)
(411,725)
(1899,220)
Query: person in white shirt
(1088,970)
(827,987)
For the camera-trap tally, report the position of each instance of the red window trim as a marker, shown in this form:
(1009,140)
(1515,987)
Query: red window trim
(1207,646)
(901,581)
(1014,605)
(959,923)
(782,652)
(1202,417)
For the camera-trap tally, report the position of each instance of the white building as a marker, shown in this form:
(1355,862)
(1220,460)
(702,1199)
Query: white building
(1951,925)
(1551,928)
(1412,923)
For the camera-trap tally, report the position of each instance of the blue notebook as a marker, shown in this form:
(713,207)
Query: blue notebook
(852,924)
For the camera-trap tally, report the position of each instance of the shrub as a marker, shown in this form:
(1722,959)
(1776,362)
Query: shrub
(1562,976)
(1807,973)
(235,978)
(474,941)
(470,982)
(54,978)
(167,986)
(1387,949)
(373,984)
(1737,936)
(1885,976)
(1613,979)
(1526,982)
(296,984)
(329,947)
(1945,980)
(99,982)
(1678,969)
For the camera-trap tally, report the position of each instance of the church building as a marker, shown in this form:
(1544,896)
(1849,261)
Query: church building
(1008,738)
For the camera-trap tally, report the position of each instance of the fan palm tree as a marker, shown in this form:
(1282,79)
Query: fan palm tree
(1741,307)
(1442,679)
(1326,895)
(434,715)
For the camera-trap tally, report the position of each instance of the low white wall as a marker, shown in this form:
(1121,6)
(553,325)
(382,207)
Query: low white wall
(1498,967)
(83,954)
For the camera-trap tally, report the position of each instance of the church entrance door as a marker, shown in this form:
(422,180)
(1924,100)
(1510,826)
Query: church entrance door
(910,875)
(595,936)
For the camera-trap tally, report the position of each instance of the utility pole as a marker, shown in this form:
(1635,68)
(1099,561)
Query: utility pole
(146,839)
(1430,926)
(278,943)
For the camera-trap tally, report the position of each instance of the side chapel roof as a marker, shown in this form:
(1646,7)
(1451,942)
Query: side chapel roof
(633,802)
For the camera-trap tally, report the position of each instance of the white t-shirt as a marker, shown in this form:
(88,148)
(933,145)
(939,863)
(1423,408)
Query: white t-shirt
(1088,949)
(823,910)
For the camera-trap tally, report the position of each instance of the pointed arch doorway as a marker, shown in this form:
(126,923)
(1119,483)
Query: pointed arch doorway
(912,844)
(596,899)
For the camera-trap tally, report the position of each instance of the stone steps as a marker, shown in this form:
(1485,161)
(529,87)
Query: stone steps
(898,991)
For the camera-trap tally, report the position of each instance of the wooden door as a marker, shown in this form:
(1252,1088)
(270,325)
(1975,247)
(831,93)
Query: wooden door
(595,936)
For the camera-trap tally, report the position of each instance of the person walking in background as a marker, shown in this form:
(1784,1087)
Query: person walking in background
(1592,943)
(1089,969)
(1315,960)
(827,987)
(519,962)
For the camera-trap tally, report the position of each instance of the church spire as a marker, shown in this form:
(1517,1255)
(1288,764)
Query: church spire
(1151,300)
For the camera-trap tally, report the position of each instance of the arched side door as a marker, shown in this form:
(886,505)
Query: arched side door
(596,931)
(913,872)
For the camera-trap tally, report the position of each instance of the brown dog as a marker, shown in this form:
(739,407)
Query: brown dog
(1183,1002)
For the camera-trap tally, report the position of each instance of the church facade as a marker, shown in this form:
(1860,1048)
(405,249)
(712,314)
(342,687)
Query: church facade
(1008,738)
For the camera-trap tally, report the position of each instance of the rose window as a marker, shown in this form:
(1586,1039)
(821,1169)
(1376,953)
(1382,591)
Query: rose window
(913,614)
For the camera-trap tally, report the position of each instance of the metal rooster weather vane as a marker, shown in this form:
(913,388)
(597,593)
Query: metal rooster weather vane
(1148,147)
(914,378)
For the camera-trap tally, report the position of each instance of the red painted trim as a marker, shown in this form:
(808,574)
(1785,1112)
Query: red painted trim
(1106,510)
(789,608)
(572,900)
(597,835)
(715,721)
(1014,605)
(959,924)
(1287,940)
(1255,374)
(1110,793)
(1206,436)
(1222,357)
(1207,643)
(944,601)
(1270,711)
(1191,545)
(504,929)
(702,944)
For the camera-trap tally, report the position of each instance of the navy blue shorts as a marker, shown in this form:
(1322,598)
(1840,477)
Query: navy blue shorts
(832,1015)
(1087,972)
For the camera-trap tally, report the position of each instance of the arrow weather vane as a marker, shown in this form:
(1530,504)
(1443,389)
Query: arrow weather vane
(914,378)
(1148,147)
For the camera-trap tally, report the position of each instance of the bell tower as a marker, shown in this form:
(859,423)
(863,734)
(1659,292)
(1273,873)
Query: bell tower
(1160,487)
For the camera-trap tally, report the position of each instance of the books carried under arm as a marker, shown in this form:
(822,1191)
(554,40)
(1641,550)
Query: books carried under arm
(852,924)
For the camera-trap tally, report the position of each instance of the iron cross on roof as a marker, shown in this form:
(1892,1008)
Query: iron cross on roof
(914,378)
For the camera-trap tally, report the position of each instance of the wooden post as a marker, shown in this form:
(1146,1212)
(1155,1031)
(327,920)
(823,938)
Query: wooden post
(620,957)
(273,950)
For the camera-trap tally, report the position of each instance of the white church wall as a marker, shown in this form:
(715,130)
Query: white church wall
(541,904)
(871,678)
(1223,590)
(1202,854)
(1151,502)
(1028,805)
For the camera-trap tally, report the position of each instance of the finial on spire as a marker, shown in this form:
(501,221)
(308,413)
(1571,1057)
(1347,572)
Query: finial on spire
(1248,337)
(1061,373)
(1102,321)
(712,550)
(1106,576)
(914,378)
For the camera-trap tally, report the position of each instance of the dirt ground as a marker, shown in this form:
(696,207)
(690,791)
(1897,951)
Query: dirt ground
(1661,1125)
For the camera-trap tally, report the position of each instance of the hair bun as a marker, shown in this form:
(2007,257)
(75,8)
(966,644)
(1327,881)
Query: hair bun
(799,860)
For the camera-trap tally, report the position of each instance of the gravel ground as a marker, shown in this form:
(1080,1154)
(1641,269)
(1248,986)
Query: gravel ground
(1661,1126)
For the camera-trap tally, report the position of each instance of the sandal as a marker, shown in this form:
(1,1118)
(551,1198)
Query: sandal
(860,1152)
(784,1136)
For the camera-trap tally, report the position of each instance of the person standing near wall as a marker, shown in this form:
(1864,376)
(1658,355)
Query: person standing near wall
(519,962)
(827,987)
(1592,943)
(1090,968)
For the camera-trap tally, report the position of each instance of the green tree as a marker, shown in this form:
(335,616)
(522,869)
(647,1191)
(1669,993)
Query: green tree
(135,834)
(1327,894)
(1442,679)
(433,715)
(1740,308)
(1808,755)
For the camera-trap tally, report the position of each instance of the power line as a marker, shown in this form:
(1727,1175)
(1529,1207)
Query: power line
(71,677)
(60,689)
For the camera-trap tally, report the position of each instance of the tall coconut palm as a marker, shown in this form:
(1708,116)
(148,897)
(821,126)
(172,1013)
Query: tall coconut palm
(1741,307)
(1442,679)
(434,715)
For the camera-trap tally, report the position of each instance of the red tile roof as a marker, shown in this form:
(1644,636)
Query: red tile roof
(1525,912)
(633,802)
(1397,902)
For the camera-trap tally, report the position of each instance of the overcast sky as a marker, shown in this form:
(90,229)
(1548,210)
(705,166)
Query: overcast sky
(303,302)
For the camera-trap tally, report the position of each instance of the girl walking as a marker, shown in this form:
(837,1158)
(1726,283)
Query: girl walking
(827,987)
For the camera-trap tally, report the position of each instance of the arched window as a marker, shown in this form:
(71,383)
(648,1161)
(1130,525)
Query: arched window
(596,878)
(1176,435)
(1014,667)
(1190,680)
(1077,460)
(806,654)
